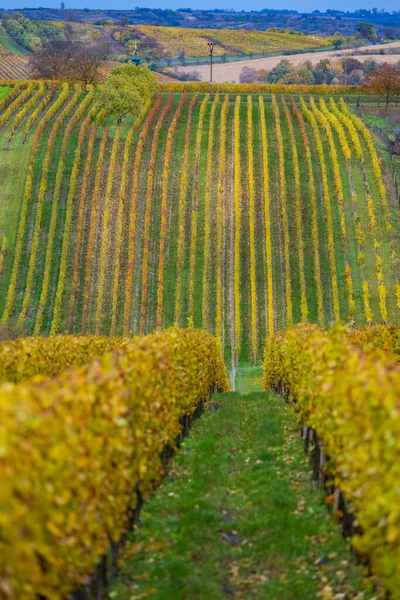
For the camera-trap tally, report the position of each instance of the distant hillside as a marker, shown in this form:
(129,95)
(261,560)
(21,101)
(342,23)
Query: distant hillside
(316,22)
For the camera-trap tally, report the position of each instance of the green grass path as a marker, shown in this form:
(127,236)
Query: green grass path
(237,517)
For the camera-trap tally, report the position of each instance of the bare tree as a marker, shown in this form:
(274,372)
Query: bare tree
(51,60)
(86,62)
(385,83)
(69,61)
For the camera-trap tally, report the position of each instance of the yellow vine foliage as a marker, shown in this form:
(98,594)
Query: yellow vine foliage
(237,192)
(40,204)
(24,358)
(338,127)
(350,395)
(72,188)
(12,288)
(12,108)
(314,212)
(164,208)
(220,215)
(267,218)
(8,98)
(92,229)
(327,120)
(207,213)
(38,110)
(284,214)
(105,233)
(133,205)
(252,242)
(147,218)
(379,337)
(347,122)
(298,216)
(195,215)
(263,88)
(3,249)
(120,216)
(80,227)
(54,210)
(181,211)
(366,300)
(96,433)
(26,107)
(328,209)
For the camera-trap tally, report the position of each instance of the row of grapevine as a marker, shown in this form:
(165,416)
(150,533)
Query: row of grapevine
(284,213)
(133,208)
(94,206)
(82,107)
(194,207)
(26,107)
(207,214)
(147,219)
(325,122)
(164,208)
(377,171)
(298,213)
(360,234)
(120,215)
(13,67)
(348,393)
(40,204)
(237,192)
(12,287)
(252,241)
(104,240)
(14,106)
(267,219)
(383,309)
(314,216)
(80,228)
(220,216)
(181,210)
(328,209)
(55,324)
(105,421)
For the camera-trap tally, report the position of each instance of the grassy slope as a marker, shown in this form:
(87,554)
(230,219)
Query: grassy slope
(231,519)
(11,45)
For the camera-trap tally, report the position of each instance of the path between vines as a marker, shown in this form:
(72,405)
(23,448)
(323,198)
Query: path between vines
(237,516)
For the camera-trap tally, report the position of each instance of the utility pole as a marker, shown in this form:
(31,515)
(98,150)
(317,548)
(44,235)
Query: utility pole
(211,49)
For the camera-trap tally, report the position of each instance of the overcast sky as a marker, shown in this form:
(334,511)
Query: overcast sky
(300,5)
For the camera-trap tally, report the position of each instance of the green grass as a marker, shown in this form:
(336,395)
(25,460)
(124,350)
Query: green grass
(237,517)
(10,44)
(4,89)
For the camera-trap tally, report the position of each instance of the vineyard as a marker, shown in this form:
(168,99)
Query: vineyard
(240,214)
(193,42)
(12,66)
(231,229)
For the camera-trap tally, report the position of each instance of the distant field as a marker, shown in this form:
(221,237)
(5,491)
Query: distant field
(231,71)
(193,42)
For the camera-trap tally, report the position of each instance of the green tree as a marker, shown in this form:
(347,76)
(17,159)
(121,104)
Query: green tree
(127,90)
(367,31)
(282,68)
